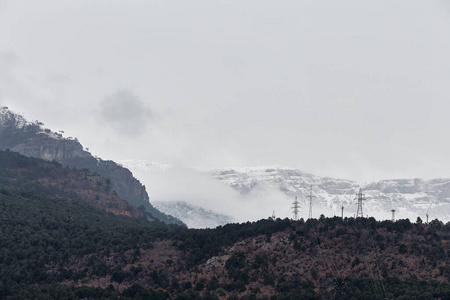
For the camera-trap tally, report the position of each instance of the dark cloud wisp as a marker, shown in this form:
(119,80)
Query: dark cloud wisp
(125,112)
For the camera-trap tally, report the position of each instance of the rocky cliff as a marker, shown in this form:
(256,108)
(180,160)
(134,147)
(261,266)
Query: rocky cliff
(30,139)
(50,178)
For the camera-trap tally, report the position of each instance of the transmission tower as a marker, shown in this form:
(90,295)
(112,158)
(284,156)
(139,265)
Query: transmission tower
(295,207)
(427,216)
(360,198)
(342,215)
(310,196)
(393,215)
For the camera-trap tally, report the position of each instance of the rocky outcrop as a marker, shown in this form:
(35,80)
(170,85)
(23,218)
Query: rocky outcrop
(45,147)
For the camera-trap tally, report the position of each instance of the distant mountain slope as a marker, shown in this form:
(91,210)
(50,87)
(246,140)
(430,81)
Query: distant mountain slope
(409,197)
(31,139)
(182,205)
(193,216)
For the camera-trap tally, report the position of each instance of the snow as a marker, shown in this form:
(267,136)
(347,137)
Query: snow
(411,197)
(8,116)
(193,216)
(263,189)
(144,166)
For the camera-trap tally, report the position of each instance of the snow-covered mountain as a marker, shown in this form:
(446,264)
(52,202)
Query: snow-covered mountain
(144,165)
(262,190)
(193,216)
(409,197)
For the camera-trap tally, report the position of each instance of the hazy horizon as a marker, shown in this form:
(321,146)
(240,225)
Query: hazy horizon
(342,89)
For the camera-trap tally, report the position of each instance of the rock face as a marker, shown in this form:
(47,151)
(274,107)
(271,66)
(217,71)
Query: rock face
(50,178)
(30,139)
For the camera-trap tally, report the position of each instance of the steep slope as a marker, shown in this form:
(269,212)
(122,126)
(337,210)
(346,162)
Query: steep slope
(409,197)
(179,191)
(30,139)
(50,178)
(193,216)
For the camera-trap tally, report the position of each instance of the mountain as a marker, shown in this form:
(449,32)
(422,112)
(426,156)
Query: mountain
(56,244)
(409,197)
(273,188)
(193,216)
(32,140)
(58,249)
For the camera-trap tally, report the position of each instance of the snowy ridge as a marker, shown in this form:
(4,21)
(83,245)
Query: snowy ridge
(10,118)
(268,188)
(144,165)
(193,216)
(409,197)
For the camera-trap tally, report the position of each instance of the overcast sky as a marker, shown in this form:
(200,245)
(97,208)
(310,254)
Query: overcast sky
(350,89)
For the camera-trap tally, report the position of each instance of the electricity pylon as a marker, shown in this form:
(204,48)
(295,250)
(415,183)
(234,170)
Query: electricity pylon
(310,196)
(360,198)
(295,207)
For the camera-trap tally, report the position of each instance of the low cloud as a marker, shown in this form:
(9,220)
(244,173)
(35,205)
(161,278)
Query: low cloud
(125,113)
(198,188)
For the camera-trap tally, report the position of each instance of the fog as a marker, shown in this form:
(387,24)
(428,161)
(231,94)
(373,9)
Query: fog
(347,89)
(200,189)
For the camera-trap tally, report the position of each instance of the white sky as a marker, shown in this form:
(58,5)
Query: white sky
(349,89)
